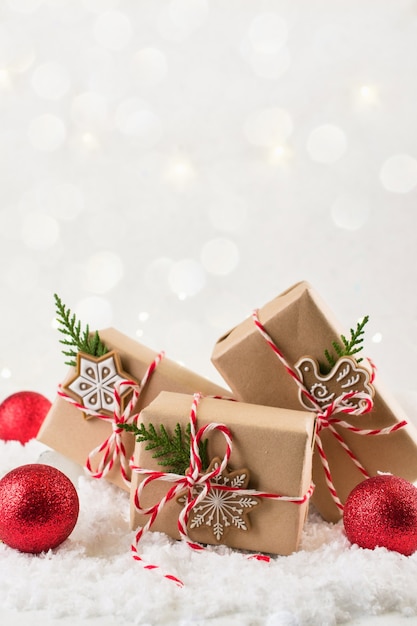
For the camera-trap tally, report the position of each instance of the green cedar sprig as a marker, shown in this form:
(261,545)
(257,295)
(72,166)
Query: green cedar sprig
(348,347)
(76,339)
(173,453)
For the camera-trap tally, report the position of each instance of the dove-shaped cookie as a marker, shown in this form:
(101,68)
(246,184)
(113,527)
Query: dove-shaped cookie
(345,376)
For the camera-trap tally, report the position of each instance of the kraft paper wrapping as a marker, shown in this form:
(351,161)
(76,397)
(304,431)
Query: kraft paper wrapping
(300,324)
(275,445)
(65,428)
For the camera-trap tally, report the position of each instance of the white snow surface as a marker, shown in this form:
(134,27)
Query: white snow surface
(92,578)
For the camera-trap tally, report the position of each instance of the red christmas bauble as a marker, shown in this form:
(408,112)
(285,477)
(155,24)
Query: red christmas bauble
(21,415)
(382,511)
(39,508)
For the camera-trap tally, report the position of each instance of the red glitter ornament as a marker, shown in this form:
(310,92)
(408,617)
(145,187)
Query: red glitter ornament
(39,508)
(21,415)
(382,511)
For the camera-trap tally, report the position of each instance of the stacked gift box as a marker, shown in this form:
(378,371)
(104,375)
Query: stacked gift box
(279,444)
(271,446)
(75,434)
(302,325)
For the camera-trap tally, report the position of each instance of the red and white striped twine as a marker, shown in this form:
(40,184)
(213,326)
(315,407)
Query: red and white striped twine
(326,417)
(112,449)
(190,480)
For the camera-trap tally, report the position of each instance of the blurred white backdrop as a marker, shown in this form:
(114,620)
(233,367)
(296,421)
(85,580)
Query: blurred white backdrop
(167,166)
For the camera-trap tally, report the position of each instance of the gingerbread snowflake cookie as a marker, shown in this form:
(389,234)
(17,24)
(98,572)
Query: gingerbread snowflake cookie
(95,382)
(221,510)
(99,373)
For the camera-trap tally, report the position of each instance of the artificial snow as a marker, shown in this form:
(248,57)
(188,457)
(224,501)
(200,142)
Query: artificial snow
(93,576)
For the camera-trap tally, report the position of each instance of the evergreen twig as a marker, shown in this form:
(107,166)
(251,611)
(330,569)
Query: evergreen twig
(76,340)
(348,347)
(172,452)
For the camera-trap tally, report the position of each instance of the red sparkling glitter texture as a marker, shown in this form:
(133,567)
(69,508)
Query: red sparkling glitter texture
(38,508)
(382,511)
(21,415)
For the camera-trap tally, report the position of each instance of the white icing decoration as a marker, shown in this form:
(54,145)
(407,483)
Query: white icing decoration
(221,510)
(346,376)
(95,383)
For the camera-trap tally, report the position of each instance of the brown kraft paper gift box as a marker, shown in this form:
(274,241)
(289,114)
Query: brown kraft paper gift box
(300,324)
(274,445)
(65,428)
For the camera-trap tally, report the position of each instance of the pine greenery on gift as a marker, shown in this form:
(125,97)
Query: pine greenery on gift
(76,339)
(348,347)
(173,453)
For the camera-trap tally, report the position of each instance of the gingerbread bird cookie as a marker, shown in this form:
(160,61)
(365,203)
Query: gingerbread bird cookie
(344,377)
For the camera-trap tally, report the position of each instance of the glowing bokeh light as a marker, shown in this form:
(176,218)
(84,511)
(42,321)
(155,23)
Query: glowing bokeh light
(186,278)
(39,231)
(268,127)
(350,212)
(326,144)
(399,173)
(103,271)
(112,30)
(220,256)
(51,80)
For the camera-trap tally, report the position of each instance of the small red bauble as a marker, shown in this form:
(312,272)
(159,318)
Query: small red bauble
(382,511)
(39,508)
(21,415)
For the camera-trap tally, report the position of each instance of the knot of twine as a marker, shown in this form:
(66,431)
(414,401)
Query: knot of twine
(188,482)
(112,449)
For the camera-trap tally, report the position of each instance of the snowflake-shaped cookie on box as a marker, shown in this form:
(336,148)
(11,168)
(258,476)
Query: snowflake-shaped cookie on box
(95,381)
(221,510)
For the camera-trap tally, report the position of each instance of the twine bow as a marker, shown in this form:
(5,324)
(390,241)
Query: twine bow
(326,417)
(188,482)
(112,449)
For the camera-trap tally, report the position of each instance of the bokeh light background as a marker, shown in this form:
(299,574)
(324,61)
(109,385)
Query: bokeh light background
(166,166)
